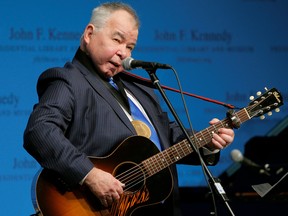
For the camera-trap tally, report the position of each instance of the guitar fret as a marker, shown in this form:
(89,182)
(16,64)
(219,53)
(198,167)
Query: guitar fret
(166,160)
(180,154)
(216,129)
(146,165)
(188,148)
(222,124)
(243,114)
(160,161)
(173,154)
(202,138)
(156,163)
(244,110)
(238,118)
(209,132)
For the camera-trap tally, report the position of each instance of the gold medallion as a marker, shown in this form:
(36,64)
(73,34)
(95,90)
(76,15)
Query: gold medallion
(141,128)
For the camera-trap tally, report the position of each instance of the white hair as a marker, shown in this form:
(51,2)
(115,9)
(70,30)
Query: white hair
(101,14)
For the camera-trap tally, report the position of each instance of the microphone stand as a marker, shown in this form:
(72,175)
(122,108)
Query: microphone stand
(213,182)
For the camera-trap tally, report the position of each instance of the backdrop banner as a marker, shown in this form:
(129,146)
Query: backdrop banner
(223,50)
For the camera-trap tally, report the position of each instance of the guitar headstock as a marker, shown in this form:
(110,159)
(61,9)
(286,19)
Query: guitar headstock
(265,103)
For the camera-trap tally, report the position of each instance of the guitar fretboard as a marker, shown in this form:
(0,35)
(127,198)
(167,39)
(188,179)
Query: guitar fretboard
(178,151)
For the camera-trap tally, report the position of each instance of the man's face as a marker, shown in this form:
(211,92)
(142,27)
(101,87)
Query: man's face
(111,44)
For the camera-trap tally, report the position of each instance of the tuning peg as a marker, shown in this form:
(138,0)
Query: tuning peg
(258,93)
(269,113)
(251,98)
(262,117)
(277,110)
(266,89)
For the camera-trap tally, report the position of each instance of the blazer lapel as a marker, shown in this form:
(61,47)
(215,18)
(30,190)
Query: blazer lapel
(97,84)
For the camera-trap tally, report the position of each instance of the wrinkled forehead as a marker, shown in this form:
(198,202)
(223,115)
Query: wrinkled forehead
(123,23)
(123,17)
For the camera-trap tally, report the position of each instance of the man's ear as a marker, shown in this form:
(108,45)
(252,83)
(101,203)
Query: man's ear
(88,33)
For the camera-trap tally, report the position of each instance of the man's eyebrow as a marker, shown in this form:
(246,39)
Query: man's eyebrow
(117,33)
(120,34)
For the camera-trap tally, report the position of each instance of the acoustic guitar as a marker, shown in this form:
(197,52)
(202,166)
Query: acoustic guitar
(140,166)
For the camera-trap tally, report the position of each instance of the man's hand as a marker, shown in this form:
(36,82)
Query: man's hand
(222,138)
(104,186)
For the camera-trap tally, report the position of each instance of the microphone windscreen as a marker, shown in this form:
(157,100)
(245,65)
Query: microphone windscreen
(236,155)
(126,63)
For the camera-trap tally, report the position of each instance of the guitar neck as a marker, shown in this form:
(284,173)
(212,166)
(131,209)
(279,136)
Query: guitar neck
(178,151)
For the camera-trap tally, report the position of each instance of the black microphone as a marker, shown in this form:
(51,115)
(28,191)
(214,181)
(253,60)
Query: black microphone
(129,64)
(238,157)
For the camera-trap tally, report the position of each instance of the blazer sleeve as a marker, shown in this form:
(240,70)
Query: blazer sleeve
(44,136)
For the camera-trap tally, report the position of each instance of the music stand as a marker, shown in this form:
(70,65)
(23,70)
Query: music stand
(265,188)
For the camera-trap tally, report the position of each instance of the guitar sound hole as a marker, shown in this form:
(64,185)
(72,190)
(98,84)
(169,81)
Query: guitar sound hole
(131,174)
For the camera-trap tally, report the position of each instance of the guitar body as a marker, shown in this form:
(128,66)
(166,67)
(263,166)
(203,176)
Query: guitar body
(53,200)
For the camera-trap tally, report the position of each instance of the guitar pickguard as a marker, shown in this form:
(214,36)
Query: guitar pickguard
(128,201)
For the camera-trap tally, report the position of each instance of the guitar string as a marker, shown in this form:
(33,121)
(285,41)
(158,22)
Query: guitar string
(137,172)
(238,114)
(134,175)
(151,163)
(142,168)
